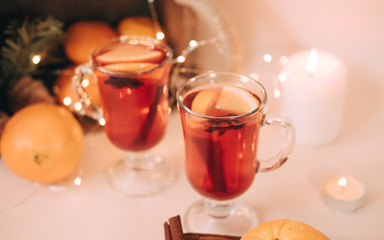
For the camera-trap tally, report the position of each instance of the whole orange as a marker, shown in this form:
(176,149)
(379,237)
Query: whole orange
(42,142)
(63,87)
(137,25)
(82,36)
(284,229)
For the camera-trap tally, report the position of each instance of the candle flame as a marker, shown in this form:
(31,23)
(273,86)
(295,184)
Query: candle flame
(311,66)
(342,182)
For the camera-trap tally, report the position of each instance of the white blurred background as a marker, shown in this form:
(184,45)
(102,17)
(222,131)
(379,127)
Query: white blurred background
(352,30)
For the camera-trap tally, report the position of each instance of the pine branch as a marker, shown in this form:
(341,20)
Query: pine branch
(27,39)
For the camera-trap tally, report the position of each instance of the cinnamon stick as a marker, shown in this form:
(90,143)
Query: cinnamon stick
(211,152)
(176,228)
(167,232)
(206,236)
(146,128)
(174,231)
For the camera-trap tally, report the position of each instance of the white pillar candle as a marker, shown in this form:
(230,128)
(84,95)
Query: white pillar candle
(313,85)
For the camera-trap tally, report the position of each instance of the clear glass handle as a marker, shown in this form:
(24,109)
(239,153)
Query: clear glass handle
(82,76)
(274,119)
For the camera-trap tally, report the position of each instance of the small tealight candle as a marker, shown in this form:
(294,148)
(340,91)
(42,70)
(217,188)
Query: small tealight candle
(343,193)
(313,85)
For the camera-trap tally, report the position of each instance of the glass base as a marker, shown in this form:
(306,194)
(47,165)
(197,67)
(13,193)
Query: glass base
(140,175)
(233,218)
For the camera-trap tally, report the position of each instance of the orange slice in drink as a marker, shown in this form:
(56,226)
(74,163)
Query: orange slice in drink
(236,100)
(129,67)
(204,101)
(130,53)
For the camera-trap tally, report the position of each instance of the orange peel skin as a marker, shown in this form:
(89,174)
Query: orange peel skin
(284,229)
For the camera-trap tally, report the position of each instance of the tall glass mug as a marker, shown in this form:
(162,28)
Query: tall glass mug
(221,115)
(132,74)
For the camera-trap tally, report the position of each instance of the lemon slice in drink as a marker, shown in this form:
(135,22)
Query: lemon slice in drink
(204,101)
(235,100)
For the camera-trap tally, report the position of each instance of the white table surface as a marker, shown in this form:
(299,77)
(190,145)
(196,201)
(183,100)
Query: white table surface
(94,211)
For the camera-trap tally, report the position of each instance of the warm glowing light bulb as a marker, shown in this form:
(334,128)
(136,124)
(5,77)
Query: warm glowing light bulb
(212,74)
(67,101)
(85,83)
(193,43)
(160,35)
(36,59)
(311,66)
(77,181)
(102,121)
(276,93)
(267,58)
(87,101)
(180,59)
(78,106)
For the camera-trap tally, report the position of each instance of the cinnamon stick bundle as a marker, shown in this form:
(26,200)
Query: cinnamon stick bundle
(174,231)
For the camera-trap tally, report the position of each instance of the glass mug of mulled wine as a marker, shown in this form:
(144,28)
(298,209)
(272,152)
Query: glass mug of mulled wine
(132,73)
(221,115)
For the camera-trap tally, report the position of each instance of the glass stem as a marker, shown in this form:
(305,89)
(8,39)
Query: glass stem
(219,209)
(136,160)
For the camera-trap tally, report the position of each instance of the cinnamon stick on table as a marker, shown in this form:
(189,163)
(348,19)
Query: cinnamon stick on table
(174,231)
